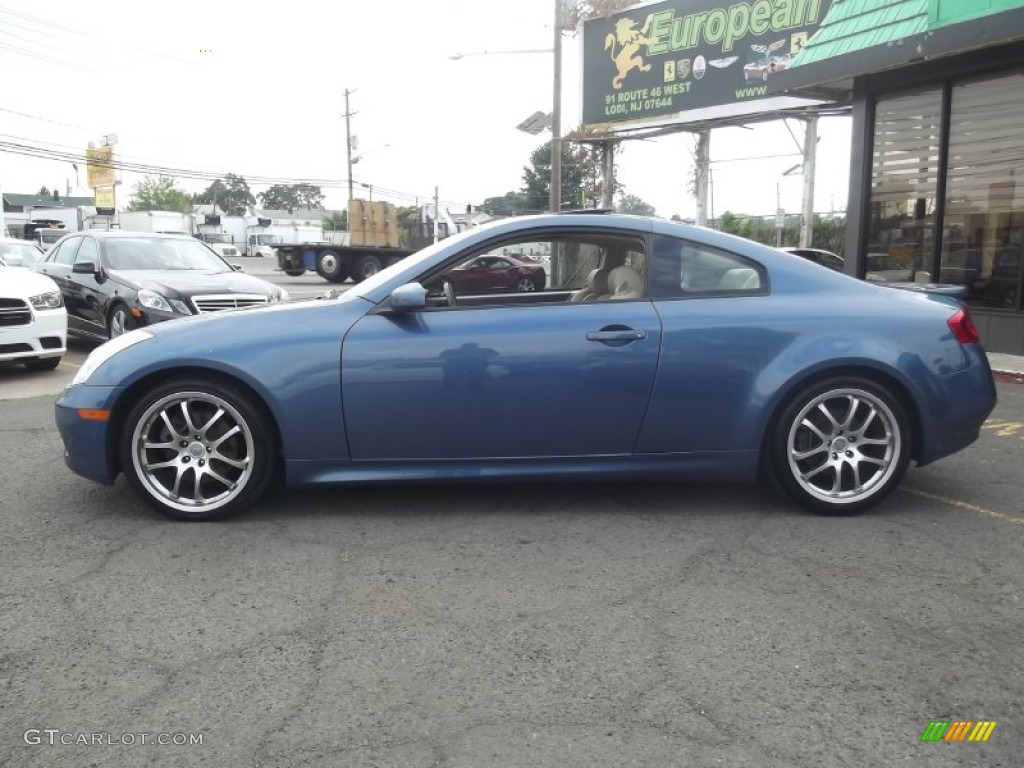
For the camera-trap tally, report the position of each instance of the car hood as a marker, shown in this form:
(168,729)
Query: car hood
(20,283)
(190,282)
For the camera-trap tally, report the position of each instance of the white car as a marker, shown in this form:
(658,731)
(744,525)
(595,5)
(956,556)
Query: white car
(33,320)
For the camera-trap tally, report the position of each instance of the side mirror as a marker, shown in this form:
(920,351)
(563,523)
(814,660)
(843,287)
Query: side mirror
(85,267)
(236,267)
(409,296)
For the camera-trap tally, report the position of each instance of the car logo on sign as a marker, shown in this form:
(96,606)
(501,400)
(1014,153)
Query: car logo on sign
(699,67)
(682,69)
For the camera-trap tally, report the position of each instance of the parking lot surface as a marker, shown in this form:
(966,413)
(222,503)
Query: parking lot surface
(533,625)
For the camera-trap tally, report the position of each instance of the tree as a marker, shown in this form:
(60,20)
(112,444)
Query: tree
(291,197)
(337,221)
(231,193)
(635,205)
(43,192)
(580,177)
(159,194)
(509,203)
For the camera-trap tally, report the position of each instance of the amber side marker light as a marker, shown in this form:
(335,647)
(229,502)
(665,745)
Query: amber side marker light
(963,328)
(93,414)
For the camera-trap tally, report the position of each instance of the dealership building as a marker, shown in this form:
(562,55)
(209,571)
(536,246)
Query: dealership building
(936,89)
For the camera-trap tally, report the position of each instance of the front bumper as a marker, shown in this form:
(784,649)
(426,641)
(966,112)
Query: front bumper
(45,336)
(89,450)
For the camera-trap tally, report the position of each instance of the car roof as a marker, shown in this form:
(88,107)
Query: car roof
(120,233)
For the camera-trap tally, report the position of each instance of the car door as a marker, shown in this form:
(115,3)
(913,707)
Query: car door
(513,376)
(58,267)
(89,289)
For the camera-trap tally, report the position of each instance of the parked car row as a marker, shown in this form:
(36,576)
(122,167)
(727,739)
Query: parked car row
(33,320)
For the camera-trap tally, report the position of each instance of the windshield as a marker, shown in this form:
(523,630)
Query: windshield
(268,239)
(160,253)
(19,254)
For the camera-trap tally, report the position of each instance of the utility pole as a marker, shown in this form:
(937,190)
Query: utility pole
(810,156)
(608,174)
(555,198)
(437,208)
(348,142)
(703,169)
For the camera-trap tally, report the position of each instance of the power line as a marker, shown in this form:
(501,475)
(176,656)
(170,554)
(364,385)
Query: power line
(73,156)
(42,119)
(90,37)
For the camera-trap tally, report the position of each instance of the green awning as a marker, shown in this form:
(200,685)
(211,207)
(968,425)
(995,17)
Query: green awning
(853,25)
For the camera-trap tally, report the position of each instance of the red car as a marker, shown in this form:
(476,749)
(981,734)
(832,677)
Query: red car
(497,274)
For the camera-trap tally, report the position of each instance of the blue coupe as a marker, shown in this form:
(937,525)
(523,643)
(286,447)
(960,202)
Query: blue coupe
(654,351)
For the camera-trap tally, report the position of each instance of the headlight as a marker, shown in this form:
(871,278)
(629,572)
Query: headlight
(153,300)
(51,300)
(181,307)
(105,351)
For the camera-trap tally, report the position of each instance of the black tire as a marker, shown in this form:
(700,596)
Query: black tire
(127,324)
(866,445)
(367,266)
(253,446)
(46,364)
(294,272)
(330,266)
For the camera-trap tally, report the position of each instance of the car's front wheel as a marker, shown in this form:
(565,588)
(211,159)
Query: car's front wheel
(197,449)
(841,446)
(45,364)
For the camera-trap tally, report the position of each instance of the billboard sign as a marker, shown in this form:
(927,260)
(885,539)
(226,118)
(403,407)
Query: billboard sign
(99,167)
(666,59)
(104,197)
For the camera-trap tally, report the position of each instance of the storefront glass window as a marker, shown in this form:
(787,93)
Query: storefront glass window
(983,231)
(904,179)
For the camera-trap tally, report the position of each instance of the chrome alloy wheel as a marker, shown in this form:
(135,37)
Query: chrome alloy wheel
(525,284)
(844,445)
(118,322)
(193,451)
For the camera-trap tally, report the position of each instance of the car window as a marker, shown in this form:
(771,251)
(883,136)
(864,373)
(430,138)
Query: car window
(65,252)
(161,253)
(20,254)
(88,251)
(682,268)
(572,269)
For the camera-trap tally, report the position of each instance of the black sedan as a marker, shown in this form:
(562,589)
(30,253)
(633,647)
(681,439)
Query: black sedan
(116,281)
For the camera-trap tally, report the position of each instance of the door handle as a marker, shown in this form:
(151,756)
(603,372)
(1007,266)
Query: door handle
(621,335)
(616,335)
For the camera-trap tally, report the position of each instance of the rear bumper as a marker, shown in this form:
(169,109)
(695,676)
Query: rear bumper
(955,406)
(88,449)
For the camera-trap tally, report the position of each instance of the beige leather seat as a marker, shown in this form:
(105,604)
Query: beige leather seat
(595,286)
(625,283)
(739,279)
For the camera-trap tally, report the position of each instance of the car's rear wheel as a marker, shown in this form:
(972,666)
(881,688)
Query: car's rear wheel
(197,449)
(841,446)
(294,272)
(46,364)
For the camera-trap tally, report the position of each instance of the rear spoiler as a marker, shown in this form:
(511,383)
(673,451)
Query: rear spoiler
(957,292)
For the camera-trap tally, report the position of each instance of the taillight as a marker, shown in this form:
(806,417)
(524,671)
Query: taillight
(963,328)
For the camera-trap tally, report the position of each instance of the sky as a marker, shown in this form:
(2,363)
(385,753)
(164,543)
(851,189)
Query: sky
(228,87)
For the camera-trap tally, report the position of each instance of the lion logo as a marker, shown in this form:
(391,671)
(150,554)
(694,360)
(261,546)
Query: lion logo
(628,39)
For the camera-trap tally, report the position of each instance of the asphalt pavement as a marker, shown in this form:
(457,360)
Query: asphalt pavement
(531,625)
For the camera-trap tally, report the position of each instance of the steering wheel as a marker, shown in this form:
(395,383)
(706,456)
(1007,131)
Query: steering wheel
(449,293)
